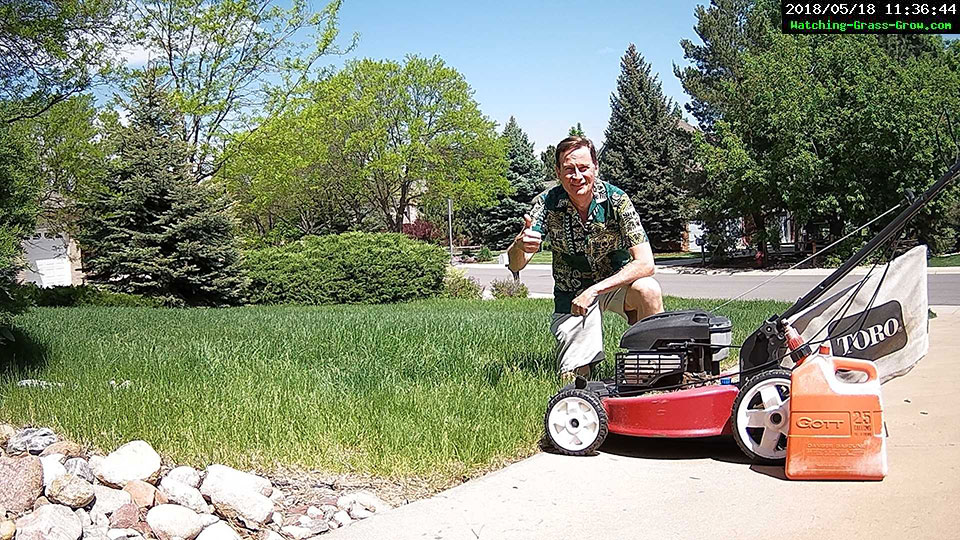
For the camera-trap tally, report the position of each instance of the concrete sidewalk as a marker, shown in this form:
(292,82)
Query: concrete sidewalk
(658,488)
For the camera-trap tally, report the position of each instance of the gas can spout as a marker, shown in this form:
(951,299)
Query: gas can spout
(799,350)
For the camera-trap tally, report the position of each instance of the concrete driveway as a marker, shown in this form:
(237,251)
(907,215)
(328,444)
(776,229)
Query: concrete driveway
(655,488)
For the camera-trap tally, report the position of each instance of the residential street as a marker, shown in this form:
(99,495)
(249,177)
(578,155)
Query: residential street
(943,284)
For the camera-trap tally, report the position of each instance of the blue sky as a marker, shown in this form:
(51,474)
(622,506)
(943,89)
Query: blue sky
(549,64)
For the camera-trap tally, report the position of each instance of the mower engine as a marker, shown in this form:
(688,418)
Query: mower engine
(661,348)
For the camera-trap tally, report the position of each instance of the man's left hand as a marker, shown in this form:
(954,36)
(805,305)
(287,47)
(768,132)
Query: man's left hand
(583,302)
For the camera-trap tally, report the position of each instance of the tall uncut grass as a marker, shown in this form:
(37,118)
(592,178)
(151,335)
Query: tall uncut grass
(436,388)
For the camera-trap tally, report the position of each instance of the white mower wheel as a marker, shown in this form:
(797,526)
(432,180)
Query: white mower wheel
(576,422)
(761,416)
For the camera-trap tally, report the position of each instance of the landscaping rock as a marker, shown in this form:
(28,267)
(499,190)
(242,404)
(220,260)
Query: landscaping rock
(7,529)
(99,519)
(170,521)
(125,517)
(67,448)
(357,511)
(32,440)
(70,490)
(341,518)
(135,460)
(185,475)
(41,501)
(313,512)
(184,495)
(49,522)
(221,478)
(108,500)
(270,535)
(144,529)
(21,482)
(277,518)
(277,496)
(120,534)
(6,432)
(95,533)
(79,467)
(368,500)
(52,469)
(219,531)
(85,520)
(296,532)
(142,493)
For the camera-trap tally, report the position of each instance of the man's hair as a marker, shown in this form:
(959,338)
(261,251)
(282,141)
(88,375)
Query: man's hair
(572,143)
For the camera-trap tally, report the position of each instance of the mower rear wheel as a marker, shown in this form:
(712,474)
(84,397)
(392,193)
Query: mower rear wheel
(761,416)
(576,422)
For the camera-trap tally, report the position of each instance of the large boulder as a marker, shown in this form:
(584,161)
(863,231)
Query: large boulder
(169,521)
(70,490)
(184,495)
(79,467)
(185,475)
(219,531)
(49,522)
(238,495)
(221,477)
(52,468)
(21,482)
(135,460)
(143,494)
(33,440)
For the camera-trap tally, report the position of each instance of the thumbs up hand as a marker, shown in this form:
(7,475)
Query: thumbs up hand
(528,239)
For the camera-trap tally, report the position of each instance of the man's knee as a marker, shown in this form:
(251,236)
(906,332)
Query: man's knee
(645,295)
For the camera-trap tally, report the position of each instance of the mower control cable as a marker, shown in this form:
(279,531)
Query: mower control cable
(817,254)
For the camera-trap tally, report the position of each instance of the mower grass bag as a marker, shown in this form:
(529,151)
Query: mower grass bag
(889,329)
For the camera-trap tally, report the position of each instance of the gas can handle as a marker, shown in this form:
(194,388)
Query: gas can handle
(854,364)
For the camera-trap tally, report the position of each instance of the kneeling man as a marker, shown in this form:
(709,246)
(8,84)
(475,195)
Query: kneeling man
(601,257)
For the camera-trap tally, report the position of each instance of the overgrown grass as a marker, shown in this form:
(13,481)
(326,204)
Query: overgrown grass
(950,260)
(435,389)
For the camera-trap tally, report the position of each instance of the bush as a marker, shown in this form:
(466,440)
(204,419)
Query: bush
(484,255)
(423,231)
(456,284)
(508,288)
(83,295)
(349,268)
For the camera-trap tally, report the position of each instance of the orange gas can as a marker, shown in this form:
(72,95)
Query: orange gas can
(836,427)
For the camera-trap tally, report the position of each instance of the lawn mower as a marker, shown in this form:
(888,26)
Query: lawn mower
(668,382)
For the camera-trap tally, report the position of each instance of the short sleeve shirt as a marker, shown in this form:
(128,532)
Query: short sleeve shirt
(585,253)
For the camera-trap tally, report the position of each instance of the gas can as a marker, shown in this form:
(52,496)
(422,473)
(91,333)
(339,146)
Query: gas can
(836,427)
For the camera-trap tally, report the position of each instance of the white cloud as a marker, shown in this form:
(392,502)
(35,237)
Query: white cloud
(135,55)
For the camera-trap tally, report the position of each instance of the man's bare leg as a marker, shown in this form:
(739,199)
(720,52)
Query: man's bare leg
(643,298)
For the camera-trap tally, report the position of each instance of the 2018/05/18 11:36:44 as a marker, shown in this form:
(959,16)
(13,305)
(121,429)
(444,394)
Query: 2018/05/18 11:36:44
(876,9)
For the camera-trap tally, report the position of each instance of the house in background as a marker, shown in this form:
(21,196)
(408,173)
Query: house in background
(53,260)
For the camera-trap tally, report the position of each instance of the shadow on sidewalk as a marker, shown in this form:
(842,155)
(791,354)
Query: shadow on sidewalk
(717,448)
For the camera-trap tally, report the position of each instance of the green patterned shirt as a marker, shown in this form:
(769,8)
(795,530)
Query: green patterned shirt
(586,253)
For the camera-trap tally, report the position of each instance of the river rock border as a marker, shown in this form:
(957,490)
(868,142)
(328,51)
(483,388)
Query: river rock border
(52,489)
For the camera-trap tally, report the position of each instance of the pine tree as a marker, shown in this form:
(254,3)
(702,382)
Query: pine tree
(499,224)
(576,131)
(549,159)
(645,151)
(152,229)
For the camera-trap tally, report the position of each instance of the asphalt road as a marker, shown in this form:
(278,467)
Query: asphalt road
(942,289)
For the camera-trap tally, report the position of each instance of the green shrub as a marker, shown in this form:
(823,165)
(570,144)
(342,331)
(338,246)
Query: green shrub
(83,295)
(508,288)
(484,255)
(349,268)
(456,284)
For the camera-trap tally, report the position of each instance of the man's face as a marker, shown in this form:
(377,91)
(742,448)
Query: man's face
(578,173)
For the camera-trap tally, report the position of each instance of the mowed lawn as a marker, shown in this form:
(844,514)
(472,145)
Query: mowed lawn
(433,389)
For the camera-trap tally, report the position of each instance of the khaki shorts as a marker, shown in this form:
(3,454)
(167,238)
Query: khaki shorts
(580,338)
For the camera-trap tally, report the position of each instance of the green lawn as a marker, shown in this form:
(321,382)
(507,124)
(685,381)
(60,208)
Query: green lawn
(952,260)
(434,389)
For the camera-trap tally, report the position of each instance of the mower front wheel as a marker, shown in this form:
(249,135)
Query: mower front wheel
(576,422)
(761,416)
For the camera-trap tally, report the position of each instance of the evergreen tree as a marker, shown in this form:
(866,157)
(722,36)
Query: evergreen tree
(152,229)
(645,151)
(576,131)
(498,224)
(549,159)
